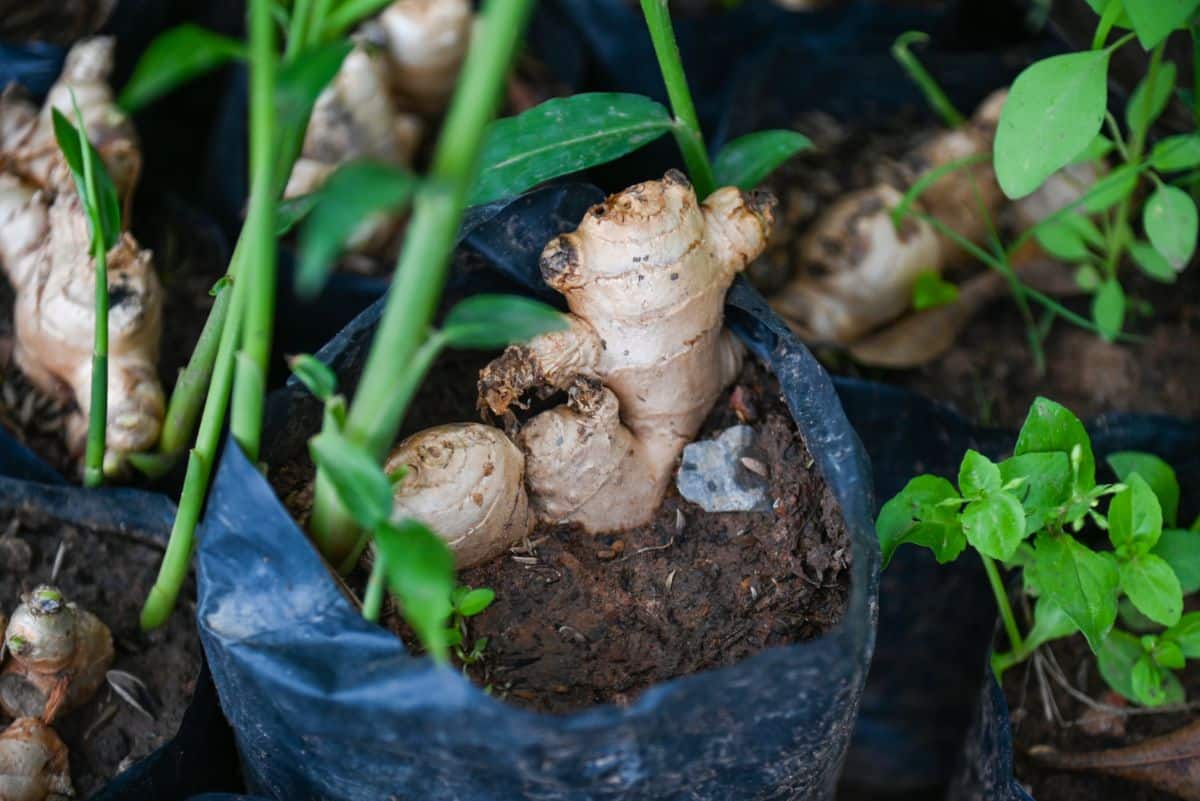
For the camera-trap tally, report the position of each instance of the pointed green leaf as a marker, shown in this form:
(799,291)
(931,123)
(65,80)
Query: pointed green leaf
(1153,588)
(748,160)
(1052,428)
(1108,309)
(1134,518)
(1151,262)
(109,212)
(1153,20)
(315,375)
(290,212)
(995,525)
(1111,189)
(1054,110)
(1158,475)
(1176,153)
(1116,658)
(176,56)
(360,483)
(1186,634)
(1149,682)
(301,80)
(930,291)
(1081,581)
(978,475)
(420,572)
(1047,485)
(475,601)
(1170,220)
(563,136)
(494,321)
(1181,550)
(1147,103)
(915,516)
(1061,240)
(1050,622)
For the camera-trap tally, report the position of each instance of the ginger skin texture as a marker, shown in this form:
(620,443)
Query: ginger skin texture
(45,253)
(34,763)
(644,357)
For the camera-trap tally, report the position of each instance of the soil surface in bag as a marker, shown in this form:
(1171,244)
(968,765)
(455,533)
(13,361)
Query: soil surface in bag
(581,619)
(109,574)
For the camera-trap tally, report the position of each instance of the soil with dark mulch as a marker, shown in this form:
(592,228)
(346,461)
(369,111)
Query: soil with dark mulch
(108,574)
(1076,726)
(189,255)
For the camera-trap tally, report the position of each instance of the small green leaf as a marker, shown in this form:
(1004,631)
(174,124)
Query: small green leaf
(1153,588)
(930,291)
(1051,428)
(978,475)
(301,80)
(1186,634)
(748,160)
(315,375)
(1133,619)
(1081,581)
(352,194)
(108,214)
(1116,658)
(1050,622)
(1168,654)
(290,212)
(1108,309)
(360,483)
(420,571)
(176,56)
(563,136)
(1147,682)
(995,525)
(1099,147)
(1046,488)
(1158,475)
(153,465)
(1176,153)
(1151,262)
(1170,220)
(1181,550)
(1087,278)
(1153,20)
(1054,110)
(475,601)
(915,515)
(494,321)
(1111,189)
(1134,518)
(1148,103)
(1061,239)
(1122,18)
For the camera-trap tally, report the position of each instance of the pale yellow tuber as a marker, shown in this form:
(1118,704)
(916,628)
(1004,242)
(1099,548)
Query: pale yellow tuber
(643,359)
(58,656)
(427,41)
(34,763)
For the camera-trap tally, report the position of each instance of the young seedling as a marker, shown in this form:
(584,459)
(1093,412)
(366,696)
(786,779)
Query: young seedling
(1026,511)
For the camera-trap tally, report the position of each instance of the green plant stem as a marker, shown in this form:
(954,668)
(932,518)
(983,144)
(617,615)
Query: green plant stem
(687,124)
(373,597)
(93,460)
(1006,612)
(250,388)
(343,17)
(934,96)
(1194,30)
(1112,11)
(377,410)
(174,567)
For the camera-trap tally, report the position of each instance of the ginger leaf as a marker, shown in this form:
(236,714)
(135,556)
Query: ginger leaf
(493,321)
(175,57)
(749,159)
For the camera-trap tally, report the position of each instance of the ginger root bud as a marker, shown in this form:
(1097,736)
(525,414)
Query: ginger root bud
(34,763)
(642,361)
(58,656)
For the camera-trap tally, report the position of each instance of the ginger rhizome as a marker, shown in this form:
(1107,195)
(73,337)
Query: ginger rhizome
(395,81)
(643,359)
(44,251)
(34,763)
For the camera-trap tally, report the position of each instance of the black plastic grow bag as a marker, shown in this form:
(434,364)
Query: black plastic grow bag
(328,706)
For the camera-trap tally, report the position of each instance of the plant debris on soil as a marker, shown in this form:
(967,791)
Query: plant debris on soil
(109,574)
(1044,712)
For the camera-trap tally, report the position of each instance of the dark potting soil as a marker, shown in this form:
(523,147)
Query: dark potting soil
(189,258)
(1074,726)
(109,574)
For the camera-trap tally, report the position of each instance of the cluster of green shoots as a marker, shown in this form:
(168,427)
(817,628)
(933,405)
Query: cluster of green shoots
(1030,511)
(475,161)
(1056,116)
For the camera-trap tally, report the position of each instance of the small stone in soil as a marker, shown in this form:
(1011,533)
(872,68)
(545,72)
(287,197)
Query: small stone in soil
(714,474)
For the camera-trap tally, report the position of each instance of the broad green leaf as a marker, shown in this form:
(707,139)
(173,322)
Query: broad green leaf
(315,375)
(360,483)
(1133,619)
(290,212)
(1148,682)
(995,525)
(978,475)
(1168,654)
(1153,588)
(1134,518)
(1050,622)
(1097,149)
(1108,309)
(1170,220)
(1081,581)
(1176,153)
(1151,262)
(1186,634)
(494,321)
(1051,427)
(352,194)
(1157,474)
(749,159)
(1148,102)
(109,206)
(930,291)
(1153,20)
(1111,189)
(420,571)
(1054,110)
(176,56)
(1116,658)
(1181,550)
(301,80)
(1046,488)
(475,601)
(915,516)
(563,136)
